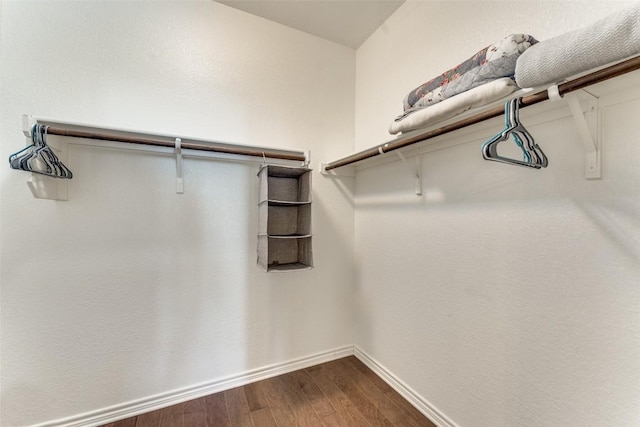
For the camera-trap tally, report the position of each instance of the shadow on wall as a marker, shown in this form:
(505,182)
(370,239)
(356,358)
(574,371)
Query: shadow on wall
(617,219)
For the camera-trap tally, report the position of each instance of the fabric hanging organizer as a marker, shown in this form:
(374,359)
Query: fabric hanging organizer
(284,223)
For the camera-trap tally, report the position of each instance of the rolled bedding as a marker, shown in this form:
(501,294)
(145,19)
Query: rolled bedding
(493,62)
(613,38)
(453,106)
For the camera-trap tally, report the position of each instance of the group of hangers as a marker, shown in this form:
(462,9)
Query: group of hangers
(533,156)
(39,157)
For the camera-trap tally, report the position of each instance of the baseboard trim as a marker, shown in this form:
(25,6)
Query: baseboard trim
(159,401)
(420,403)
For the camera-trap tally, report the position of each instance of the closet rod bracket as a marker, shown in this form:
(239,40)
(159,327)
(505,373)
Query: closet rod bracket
(417,170)
(585,112)
(179,179)
(346,171)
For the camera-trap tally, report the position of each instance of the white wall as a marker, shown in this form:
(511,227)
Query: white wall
(504,296)
(129,290)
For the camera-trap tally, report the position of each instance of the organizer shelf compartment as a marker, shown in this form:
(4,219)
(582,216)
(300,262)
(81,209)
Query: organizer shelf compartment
(285,184)
(285,253)
(284,221)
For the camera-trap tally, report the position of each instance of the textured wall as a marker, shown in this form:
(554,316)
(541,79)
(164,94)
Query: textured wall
(503,296)
(128,289)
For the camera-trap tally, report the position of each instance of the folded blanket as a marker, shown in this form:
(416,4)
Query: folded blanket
(493,62)
(611,39)
(453,106)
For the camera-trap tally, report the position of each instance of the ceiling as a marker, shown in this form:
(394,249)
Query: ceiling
(347,22)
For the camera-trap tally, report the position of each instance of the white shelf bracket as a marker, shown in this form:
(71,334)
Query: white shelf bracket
(417,169)
(179,179)
(587,123)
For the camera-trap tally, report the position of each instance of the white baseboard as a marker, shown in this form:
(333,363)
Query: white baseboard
(420,403)
(159,401)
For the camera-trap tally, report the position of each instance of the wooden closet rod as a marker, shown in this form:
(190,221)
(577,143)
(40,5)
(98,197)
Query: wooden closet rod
(570,86)
(186,143)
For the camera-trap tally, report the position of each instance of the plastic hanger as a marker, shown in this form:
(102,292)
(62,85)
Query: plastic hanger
(39,157)
(21,159)
(533,155)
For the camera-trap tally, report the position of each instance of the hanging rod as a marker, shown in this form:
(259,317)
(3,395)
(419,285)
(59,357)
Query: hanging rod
(564,88)
(133,137)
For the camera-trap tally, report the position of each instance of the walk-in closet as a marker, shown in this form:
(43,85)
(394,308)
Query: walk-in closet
(265,213)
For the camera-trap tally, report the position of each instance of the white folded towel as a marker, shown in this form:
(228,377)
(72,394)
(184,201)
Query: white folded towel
(608,40)
(455,105)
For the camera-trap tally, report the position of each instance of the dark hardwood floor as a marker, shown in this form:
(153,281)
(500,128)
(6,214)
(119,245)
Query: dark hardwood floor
(343,392)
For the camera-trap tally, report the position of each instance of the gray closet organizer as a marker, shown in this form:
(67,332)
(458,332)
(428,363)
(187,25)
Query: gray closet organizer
(284,224)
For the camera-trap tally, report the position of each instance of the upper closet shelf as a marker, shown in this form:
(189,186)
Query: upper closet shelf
(554,92)
(48,186)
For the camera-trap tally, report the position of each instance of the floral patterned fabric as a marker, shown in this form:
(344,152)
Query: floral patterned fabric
(493,62)
(451,107)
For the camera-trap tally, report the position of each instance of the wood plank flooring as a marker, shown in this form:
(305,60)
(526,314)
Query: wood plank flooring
(340,393)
